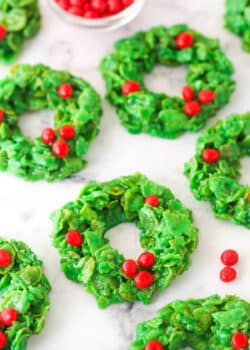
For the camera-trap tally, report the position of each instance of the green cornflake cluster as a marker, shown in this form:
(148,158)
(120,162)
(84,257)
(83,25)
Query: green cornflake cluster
(156,113)
(217,182)
(22,21)
(237,20)
(167,231)
(24,287)
(202,324)
(33,88)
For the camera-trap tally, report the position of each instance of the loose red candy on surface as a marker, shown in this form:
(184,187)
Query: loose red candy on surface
(228,274)
(229,257)
(48,136)
(192,108)
(3,340)
(129,268)
(239,341)
(130,86)
(210,155)
(60,149)
(146,260)
(143,279)
(74,238)
(5,258)
(184,40)
(188,93)
(154,345)
(1,115)
(65,90)
(8,316)
(206,96)
(3,32)
(152,200)
(67,132)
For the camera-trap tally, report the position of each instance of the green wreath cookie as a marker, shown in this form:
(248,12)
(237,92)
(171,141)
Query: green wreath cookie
(58,152)
(215,168)
(167,234)
(237,20)
(24,292)
(213,323)
(20,21)
(209,80)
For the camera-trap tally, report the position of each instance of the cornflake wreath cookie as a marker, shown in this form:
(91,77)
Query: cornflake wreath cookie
(20,20)
(237,20)
(59,152)
(209,80)
(166,229)
(24,292)
(201,324)
(215,168)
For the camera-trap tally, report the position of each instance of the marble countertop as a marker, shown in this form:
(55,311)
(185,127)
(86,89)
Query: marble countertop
(74,320)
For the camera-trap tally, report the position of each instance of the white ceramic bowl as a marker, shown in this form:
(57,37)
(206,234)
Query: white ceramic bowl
(107,23)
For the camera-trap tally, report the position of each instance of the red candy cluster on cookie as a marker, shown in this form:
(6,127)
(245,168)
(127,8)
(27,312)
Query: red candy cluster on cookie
(193,107)
(59,147)
(143,279)
(7,317)
(91,9)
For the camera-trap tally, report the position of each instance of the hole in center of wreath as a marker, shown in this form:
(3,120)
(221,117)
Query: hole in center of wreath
(126,239)
(33,123)
(168,80)
(245,171)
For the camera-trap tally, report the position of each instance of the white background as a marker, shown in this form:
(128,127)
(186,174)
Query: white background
(74,320)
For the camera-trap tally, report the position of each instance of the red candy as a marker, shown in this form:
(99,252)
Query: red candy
(228,274)
(3,32)
(188,93)
(67,132)
(129,268)
(143,280)
(8,317)
(60,148)
(229,257)
(130,86)
(211,155)
(48,136)
(154,345)
(192,108)
(146,260)
(5,258)
(3,340)
(1,115)
(239,341)
(152,200)
(206,96)
(74,238)
(91,8)
(184,40)
(65,90)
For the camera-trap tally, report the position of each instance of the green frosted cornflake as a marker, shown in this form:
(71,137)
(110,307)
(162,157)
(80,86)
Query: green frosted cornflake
(24,287)
(167,231)
(22,21)
(218,182)
(32,88)
(200,324)
(156,113)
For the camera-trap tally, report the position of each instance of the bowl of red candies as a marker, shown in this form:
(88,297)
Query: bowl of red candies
(99,14)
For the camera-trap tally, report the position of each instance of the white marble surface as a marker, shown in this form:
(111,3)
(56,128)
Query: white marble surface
(74,320)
